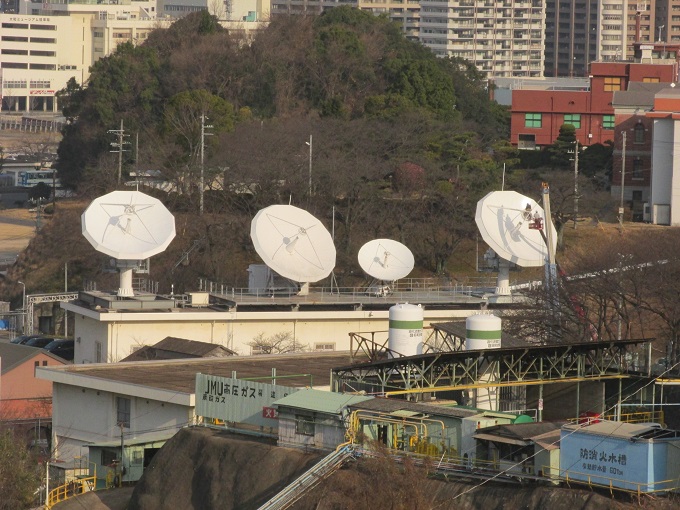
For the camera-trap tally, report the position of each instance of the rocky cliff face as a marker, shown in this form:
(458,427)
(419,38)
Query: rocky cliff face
(203,469)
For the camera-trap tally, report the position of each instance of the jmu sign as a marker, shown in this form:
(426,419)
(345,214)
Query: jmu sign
(238,400)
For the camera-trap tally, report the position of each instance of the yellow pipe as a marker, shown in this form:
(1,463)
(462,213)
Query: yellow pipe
(434,389)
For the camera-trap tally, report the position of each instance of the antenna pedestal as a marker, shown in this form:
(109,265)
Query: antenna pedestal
(503,281)
(125,268)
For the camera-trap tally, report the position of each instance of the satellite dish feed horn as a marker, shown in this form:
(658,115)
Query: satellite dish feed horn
(129,226)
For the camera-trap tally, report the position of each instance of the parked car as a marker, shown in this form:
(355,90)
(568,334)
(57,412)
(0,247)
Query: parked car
(22,339)
(62,347)
(39,341)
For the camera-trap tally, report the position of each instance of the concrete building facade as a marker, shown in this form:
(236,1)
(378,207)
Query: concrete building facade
(503,39)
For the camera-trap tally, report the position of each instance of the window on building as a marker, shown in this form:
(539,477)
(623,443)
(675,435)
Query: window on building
(526,141)
(123,411)
(612,84)
(42,53)
(14,65)
(44,363)
(44,67)
(97,352)
(532,120)
(324,347)
(10,51)
(651,80)
(637,168)
(13,38)
(43,27)
(108,456)
(36,364)
(14,84)
(639,133)
(46,40)
(40,84)
(304,425)
(574,119)
(15,25)
(608,122)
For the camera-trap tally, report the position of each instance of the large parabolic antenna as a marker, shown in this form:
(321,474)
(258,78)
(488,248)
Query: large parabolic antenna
(507,222)
(386,259)
(130,227)
(293,243)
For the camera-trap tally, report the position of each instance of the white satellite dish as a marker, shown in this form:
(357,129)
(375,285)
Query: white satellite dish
(293,243)
(130,227)
(506,221)
(386,259)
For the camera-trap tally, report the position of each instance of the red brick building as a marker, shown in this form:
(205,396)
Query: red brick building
(536,115)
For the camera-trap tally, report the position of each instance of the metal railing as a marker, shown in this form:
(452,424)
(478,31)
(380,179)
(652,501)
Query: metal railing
(321,470)
(70,489)
(612,484)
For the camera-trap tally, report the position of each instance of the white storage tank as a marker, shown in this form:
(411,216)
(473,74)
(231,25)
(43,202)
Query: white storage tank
(483,332)
(406,329)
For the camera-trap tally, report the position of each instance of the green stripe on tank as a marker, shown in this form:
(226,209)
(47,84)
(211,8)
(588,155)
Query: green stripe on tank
(406,324)
(475,334)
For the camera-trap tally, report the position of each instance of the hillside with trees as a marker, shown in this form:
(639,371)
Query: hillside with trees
(402,143)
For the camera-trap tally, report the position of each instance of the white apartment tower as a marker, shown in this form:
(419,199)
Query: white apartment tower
(502,38)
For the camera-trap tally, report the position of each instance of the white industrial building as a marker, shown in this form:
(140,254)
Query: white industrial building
(143,403)
(107,329)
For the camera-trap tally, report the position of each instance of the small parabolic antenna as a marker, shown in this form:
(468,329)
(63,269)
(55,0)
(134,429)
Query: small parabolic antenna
(293,243)
(512,225)
(386,259)
(130,227)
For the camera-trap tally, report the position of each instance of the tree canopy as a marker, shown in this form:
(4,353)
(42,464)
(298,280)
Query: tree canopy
(345,64)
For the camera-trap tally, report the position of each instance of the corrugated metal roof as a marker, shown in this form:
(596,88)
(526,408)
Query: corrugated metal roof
(391,405)
(180,375)
(320,401)
(612,428)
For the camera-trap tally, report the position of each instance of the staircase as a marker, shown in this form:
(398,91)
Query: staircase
(309,479)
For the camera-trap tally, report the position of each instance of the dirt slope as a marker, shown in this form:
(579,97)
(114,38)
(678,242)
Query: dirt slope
(203,469)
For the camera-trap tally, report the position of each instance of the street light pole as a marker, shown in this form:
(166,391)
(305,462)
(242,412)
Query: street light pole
(623,179)
(23,307)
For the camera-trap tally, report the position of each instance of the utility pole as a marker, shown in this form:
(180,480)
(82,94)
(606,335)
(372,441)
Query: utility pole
(202,179)
(119,145)
(122,454)
(310,164)
(575,183)
(623,180)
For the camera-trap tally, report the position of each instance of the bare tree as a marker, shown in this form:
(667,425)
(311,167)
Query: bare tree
(277,343)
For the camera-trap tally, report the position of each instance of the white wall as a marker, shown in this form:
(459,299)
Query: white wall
(125,332)
(82,415)
(662,162)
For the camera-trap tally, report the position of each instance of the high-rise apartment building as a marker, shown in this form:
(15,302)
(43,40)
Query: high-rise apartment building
(502,38)
(582,31)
